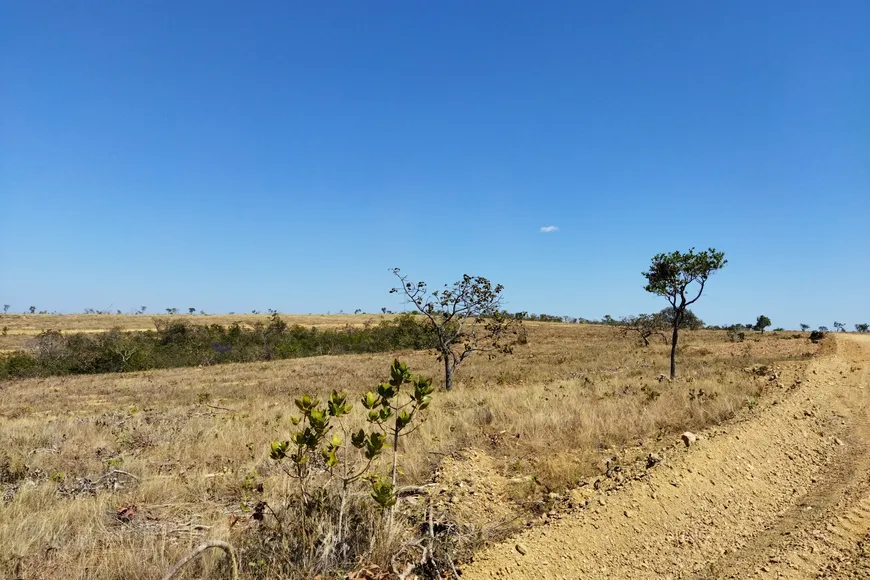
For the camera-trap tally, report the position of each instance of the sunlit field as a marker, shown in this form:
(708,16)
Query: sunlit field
(176,450)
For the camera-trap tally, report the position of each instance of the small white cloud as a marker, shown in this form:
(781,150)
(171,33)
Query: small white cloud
(549,229)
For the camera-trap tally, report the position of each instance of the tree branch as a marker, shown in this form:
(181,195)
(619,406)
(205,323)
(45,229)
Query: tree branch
(695,299)
(199,550)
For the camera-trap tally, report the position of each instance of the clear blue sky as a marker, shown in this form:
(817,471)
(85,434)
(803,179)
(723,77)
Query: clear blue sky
(234,156)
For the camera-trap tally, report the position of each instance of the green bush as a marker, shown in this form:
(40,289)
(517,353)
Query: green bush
(18,365)
(341,499)
(176,343)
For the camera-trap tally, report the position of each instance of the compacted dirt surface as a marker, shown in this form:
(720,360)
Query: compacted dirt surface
(783,493)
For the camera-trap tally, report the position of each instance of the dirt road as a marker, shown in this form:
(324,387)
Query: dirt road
(782,494)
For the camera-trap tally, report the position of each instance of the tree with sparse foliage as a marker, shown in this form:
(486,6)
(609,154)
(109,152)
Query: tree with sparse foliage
(804,327)
(5,308)
(862,327)
(32,309)
(467,317)
(840,326)
(681,277)
(191,310)
(823,328)
(645,325)
(761,323)
(172,311)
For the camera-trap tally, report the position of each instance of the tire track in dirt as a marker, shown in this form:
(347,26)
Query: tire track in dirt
(827,535)
(784,494)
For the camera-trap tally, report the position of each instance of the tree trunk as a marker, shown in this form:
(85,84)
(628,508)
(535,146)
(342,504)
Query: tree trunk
(448,374)
(674,347)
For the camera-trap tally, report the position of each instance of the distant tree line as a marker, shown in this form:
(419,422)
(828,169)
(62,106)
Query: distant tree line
(690,320)
(176,343)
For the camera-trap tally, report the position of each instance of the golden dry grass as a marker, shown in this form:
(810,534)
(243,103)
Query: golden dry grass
(554,409)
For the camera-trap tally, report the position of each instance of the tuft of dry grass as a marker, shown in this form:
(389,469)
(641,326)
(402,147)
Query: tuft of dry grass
(191,440)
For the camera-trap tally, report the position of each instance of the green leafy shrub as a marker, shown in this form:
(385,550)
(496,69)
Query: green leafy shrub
(176,343)
(325,523)
(18,365)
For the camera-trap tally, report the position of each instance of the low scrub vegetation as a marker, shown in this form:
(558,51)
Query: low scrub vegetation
(178,343)
(817,335)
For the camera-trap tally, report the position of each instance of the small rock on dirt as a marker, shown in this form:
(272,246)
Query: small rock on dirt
(689,438)
(652,460)
(521,548)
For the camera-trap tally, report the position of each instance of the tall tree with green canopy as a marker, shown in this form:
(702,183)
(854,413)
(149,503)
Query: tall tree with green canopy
(761,323)
(681,277)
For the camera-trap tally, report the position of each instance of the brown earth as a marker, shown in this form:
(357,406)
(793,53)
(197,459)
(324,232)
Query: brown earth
(782,493)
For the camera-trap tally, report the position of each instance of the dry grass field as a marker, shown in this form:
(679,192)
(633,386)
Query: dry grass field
(182,445)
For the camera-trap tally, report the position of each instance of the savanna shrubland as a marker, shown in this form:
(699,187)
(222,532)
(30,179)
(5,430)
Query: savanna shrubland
(178,343)
(196,444)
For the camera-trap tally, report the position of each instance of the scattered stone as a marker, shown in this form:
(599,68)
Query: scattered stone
(652,460)
(628,513)
(689,438)
(838,441)
(521,548)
